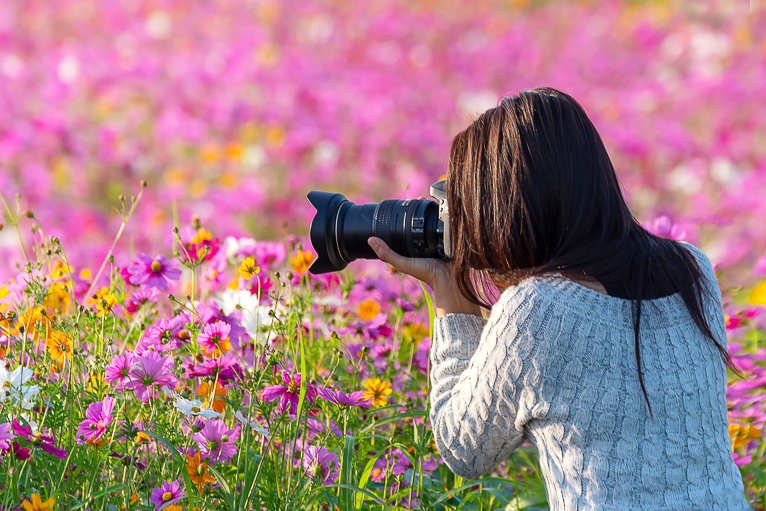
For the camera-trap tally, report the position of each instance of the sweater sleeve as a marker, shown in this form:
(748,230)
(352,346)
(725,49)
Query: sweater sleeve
(477,368)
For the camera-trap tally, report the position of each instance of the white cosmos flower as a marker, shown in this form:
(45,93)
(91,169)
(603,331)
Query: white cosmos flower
(195,407)
(254,315)
(233,246)
(252,424)
(13,385)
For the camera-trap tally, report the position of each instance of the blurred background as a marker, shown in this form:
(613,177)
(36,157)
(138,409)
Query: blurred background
(232,110)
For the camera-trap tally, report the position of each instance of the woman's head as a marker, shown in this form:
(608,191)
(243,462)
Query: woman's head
(531,190)
(530,182)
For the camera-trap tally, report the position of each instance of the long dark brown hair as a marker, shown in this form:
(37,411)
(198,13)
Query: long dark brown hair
(531,190)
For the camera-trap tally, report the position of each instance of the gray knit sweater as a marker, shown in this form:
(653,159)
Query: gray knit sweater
(555,365)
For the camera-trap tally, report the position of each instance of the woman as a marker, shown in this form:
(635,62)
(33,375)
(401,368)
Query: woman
(537,209)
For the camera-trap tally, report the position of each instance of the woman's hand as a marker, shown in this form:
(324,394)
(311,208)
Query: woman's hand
(436,273)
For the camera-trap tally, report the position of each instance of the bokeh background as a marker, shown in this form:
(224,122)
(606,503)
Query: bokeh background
(232,111)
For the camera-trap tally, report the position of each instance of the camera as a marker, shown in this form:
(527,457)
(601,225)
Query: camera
(411,227)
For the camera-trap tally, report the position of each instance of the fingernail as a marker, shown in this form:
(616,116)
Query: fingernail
(373,243)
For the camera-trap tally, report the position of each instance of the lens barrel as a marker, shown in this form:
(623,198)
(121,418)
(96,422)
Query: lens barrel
(340,229)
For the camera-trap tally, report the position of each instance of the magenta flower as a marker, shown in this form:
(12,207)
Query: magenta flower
(167,494)
(215,337)
(44,442)
(98,417)
(289,392)
(161,337)
(150,373)
(153,272)
(319,462)
(339,398)
(141,297)
(224,368)
(216,441)
(118,372)
(664,227)
(5,435)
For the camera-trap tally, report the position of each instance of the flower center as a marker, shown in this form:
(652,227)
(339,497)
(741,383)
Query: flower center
(293,387)
(196,409)
(167,495)
(156,266)
(62,348)
(212,445)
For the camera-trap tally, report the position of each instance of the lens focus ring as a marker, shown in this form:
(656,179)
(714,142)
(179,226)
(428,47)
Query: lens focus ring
(382,220)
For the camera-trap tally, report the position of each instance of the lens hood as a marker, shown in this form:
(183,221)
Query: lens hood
(327,205)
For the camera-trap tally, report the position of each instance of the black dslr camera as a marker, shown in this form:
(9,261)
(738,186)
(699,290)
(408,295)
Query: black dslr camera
(412,228)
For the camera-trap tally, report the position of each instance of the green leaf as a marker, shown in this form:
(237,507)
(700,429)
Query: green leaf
(228,497)
(348,487)
(177,456)
(346,472)
(366,475)
(431,311)
(483,480)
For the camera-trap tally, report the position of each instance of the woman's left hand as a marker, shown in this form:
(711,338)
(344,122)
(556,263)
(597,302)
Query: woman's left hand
(436,273)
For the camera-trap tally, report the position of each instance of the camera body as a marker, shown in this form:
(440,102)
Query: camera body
(411,227)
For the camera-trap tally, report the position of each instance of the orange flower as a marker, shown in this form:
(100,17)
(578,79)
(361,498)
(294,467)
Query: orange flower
(198,471)
(218,403)
(368,309)
(57,299)
(37,504)
(34,323)
(742,434)
(59,347)
(302,261)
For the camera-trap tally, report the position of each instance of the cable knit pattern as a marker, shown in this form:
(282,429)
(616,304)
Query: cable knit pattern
(554,364)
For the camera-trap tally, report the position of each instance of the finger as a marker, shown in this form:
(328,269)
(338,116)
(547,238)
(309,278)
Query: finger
(384,253)
(421,197)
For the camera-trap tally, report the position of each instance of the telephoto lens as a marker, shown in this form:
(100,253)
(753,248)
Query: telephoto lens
(413,228)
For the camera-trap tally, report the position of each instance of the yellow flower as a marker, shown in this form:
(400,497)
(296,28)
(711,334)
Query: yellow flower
(248,268)
(201,236)
(173,507)
(86,274)
(93,300)
(57,299)
(302,261)
(758,294)
(37,504)
(368,309)
(106,305)
(97,382)
(377,391)
(60,270)
(59,347)
(741,434)
(416,331)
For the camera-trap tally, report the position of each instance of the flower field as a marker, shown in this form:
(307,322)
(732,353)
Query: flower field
(162,344)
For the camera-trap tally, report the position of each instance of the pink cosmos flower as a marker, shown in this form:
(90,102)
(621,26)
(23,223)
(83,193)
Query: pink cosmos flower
(216,441)
(118,372)
(141,297)
(664,227)
(289,393)
(225,368)
(215,336)
(319,462)
(162,336)
(150,373)
(154,272)
(44,442)
(167,494)
(5,435)
(340,398)
(269,254)
(98,417)
(372,329)
(316,427)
